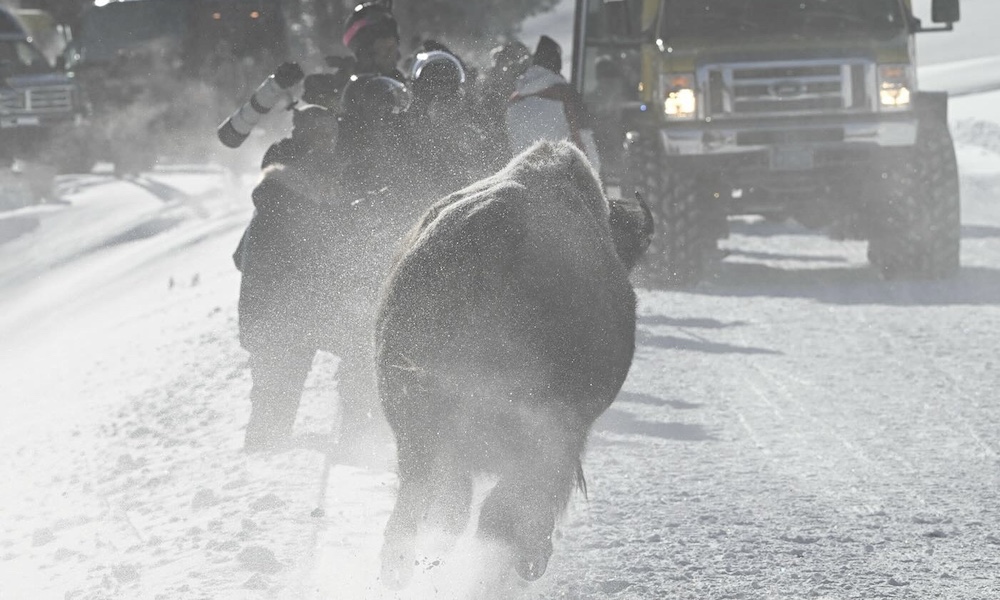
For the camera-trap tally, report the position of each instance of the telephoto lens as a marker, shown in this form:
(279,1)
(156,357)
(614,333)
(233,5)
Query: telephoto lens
(238,126)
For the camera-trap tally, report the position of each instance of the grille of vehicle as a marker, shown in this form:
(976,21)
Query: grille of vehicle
(40,100)
(50,99)
(784,88)
(12,100)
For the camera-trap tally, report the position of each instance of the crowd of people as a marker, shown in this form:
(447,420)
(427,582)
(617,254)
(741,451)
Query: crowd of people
(371,148)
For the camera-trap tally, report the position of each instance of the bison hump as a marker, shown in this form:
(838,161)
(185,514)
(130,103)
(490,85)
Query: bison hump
(457,263)
(473,236)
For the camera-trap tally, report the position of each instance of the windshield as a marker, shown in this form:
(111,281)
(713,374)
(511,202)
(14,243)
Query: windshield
(738,18)
(21,58)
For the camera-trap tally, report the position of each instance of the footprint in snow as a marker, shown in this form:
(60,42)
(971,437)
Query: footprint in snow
(204,498)
(267,502)
(259,559)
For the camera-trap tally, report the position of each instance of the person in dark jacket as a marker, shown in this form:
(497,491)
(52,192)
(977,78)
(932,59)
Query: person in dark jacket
(283,258)
(314,252)
(508,62)
(374,138)
(449,149)
(372,34)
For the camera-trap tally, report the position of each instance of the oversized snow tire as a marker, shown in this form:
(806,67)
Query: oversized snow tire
(918,225)
(683,242)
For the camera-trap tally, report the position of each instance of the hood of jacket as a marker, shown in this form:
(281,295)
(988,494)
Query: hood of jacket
(537,79)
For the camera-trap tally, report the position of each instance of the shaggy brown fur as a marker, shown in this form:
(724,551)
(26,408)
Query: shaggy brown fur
(505,329)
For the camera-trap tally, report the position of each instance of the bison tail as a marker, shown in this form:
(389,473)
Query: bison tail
(581,481)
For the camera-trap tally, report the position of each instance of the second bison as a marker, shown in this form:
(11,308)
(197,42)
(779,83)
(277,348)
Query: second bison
(506,327)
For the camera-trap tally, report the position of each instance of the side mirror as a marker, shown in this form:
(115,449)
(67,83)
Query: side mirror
(945,11)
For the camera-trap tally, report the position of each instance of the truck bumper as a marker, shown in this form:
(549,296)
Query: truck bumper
(707,138)
(43,120)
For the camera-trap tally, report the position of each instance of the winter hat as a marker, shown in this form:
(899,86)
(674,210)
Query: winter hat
(548,54)
(511,53)
(436,74)
(369,22)
(373,96)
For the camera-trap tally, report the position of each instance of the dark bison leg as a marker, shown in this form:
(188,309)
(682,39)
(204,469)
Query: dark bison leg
(532,492)
(453,499)
(426,484)
(398,553)
(415,415)
(416,494)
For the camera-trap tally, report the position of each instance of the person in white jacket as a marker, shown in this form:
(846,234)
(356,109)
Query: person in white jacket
(544,106)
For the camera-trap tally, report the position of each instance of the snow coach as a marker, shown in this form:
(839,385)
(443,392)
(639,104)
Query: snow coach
(802,109)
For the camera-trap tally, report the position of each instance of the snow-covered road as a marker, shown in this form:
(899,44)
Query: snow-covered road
(815,432)
(793,428)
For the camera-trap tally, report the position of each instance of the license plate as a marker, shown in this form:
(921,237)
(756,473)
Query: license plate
(26,121)
(791,158)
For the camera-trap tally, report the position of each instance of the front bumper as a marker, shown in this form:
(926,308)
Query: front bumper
(31,121)
(742,136)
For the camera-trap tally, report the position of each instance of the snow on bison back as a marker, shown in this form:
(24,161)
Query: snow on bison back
(506,327)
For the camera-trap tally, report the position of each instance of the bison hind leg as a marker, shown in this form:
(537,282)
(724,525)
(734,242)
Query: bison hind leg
(538,471)
(442,503)
(522,509)
(453,503)
(510,518)
(399,547)
(435,493)
(414,499)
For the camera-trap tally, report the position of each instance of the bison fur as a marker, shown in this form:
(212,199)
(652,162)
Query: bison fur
(505,328)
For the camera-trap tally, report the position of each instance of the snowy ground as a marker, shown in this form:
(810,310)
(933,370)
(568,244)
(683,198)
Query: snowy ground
(793,428)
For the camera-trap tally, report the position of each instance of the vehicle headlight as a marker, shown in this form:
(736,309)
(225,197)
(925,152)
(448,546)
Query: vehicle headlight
(679,98)
(895,83)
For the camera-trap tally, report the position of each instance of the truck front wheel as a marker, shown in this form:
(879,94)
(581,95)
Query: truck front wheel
(918,221)
(686,227)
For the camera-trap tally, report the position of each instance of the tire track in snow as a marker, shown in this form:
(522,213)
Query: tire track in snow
(955,389)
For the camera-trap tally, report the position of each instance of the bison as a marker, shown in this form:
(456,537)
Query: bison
(505,328)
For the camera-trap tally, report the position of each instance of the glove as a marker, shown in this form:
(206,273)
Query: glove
(288,74)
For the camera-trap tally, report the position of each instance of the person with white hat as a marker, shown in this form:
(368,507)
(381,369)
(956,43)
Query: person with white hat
(544,106)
